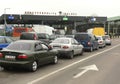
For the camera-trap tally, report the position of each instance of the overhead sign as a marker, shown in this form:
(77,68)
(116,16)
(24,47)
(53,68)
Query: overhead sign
(65,18)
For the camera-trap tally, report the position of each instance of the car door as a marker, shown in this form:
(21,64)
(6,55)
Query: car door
(75,46)
(40,53)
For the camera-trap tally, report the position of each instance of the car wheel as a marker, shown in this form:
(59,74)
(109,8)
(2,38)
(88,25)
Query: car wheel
(71,55)
(55,61)
(97,48)
(81,53)
(33,66)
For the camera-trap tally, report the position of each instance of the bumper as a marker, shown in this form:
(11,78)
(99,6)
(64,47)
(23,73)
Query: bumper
(87,48)
(63,53)
(14,64)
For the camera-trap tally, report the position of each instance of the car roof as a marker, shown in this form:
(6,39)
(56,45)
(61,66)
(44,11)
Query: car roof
(29,32)
(64,38)
(28,41)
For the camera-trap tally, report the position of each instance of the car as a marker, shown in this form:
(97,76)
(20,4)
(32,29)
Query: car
(101,41)
(107,39)
(89,41)
(35,36)
(28,54)
(5,41)
(67,47)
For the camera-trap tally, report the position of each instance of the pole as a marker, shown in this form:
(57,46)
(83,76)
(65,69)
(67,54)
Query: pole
(5,22)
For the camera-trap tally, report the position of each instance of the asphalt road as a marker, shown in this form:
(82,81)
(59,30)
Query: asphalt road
(98,67)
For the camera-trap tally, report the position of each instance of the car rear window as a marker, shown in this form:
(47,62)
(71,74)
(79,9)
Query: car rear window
(19,46)
(27,36)
(81,36)
(62,41)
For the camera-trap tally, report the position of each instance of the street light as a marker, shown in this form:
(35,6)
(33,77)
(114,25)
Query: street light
(5,22)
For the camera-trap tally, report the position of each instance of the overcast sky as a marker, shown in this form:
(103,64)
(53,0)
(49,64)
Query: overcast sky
(109,8)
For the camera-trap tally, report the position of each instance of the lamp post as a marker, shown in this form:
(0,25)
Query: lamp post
(5,22)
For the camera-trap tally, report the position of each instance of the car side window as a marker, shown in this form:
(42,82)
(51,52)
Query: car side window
(44,47)
(72,41)
(47,36)
(2,40)
(8,40)
(75,41)
(38,47)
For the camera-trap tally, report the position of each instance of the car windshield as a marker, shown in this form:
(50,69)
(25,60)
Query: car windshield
(19,46)
(62,41)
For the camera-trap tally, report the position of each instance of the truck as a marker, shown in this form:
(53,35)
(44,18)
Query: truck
(43,29)
(97,31)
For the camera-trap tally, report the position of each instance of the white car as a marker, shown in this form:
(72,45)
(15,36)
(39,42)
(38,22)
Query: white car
(101,41)
(67,47)
(107,39)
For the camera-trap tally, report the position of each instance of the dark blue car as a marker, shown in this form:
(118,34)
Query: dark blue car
(5,41)
(89,41)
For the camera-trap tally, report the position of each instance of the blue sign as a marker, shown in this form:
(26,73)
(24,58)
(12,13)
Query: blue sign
(11,17)
(93,19)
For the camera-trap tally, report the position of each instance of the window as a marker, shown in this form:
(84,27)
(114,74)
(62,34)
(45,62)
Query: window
(44,47)
(9,40)
(2,40)
(38,47)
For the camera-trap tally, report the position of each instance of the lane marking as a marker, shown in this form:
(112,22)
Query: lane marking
(86,68)
(74,63)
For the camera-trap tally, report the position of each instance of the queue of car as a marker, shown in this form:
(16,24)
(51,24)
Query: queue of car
(30,51)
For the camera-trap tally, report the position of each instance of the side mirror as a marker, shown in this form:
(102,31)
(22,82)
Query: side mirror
(49,47)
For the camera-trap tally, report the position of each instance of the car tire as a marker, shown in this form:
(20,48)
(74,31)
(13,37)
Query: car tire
(71,55)
(81,53)
(33,66)
(55,60)
(97,48)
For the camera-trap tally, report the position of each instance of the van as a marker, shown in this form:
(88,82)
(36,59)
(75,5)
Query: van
(97,31)
(89,41)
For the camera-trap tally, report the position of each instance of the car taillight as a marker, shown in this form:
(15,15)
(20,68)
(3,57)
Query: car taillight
(89,43)
(22,56)
(1,55)
(65,47)
(100,41)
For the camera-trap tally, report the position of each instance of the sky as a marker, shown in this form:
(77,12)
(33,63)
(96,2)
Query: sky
(109,8)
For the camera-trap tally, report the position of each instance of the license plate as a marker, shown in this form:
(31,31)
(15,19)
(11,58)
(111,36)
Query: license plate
(9,57)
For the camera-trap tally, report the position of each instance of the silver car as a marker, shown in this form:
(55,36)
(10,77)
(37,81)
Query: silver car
(67,47)
(107,39)
(101,41)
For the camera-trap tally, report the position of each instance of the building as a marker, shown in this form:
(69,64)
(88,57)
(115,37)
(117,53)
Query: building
(59,22)
(113,25)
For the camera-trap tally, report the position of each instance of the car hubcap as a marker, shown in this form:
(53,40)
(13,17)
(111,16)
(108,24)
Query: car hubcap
(34,66)
(55,59)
